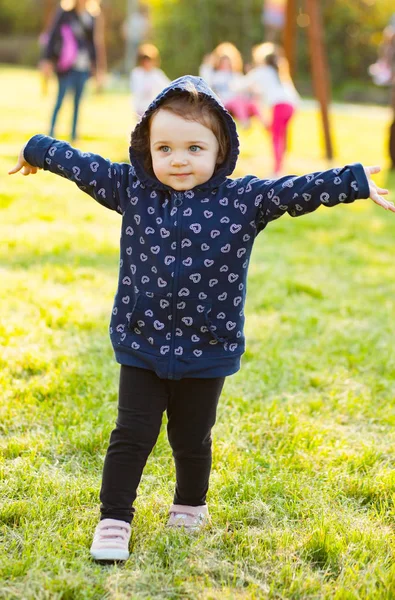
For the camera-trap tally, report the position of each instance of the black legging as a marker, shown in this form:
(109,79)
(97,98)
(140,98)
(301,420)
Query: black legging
(191,406)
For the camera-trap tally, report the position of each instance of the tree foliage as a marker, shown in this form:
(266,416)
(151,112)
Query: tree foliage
(23,16)
(185,30)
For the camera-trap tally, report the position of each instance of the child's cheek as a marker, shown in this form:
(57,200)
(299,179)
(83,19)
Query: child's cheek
(158,167)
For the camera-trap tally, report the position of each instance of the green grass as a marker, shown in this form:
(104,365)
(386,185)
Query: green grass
(303,485)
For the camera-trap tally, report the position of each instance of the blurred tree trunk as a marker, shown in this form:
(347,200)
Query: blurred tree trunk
(290,35)
(320,71)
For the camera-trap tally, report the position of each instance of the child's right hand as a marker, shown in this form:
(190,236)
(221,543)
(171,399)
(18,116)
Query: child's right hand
(23,166)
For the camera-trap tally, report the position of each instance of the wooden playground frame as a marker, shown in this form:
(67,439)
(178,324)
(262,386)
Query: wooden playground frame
(319,65)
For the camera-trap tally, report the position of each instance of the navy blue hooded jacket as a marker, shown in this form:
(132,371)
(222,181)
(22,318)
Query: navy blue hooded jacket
(184,255)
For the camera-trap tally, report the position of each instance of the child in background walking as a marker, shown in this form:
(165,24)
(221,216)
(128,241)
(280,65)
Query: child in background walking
(178,317)
(146,80)
(226,80)
(271,81)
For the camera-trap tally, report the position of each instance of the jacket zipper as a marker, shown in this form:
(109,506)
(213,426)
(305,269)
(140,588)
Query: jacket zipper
(178,196)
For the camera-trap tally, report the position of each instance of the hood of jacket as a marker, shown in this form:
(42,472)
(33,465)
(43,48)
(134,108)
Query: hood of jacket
(184,84)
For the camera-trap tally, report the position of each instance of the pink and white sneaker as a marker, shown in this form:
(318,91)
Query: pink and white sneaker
(190,517)
(111,540)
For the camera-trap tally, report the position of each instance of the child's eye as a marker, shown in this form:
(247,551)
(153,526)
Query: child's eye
(164,149)
(194,148)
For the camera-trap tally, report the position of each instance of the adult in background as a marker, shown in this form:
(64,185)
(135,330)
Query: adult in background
(74,50)
(383,73)
(136,29)
(390,50)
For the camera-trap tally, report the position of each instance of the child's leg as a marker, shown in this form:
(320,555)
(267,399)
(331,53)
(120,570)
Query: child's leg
(143,397)
(192,411)
(282,113)
(79,80)
(63,84)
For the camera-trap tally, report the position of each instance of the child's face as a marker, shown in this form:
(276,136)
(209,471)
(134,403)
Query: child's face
(184,153)
(147,64)
(225,64)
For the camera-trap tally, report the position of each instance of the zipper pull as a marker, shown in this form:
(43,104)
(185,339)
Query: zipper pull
(178,199)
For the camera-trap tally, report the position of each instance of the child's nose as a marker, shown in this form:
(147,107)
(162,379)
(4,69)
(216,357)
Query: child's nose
(179,159)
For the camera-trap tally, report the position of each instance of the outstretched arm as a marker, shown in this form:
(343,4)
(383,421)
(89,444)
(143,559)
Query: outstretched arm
(98,177)
(301,195)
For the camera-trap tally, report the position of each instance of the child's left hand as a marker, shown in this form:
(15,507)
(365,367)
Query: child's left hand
(376,192)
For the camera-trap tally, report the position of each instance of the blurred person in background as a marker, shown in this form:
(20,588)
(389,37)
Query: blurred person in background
(226,81)
(383,74)
(136,29)
(206,68)
(74,49)
(146,79)
(271,80)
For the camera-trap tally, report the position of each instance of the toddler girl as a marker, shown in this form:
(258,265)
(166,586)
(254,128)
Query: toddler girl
(177,320)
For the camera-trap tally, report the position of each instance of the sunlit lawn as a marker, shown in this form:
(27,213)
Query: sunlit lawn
(303,485)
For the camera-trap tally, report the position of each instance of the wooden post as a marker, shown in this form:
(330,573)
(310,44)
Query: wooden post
(289,37)
(319,69)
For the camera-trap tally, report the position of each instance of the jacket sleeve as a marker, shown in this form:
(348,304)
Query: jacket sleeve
(301,195)
(105,181)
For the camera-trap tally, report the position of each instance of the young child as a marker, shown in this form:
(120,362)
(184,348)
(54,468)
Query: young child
(271,81)
(177,320)
(146,79)
(226,80)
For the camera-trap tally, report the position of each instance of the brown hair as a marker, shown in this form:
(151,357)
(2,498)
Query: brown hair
(272,55)
(192,106)
(228,50)
(148,51)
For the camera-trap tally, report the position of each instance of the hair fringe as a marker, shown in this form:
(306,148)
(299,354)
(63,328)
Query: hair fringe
(189,104)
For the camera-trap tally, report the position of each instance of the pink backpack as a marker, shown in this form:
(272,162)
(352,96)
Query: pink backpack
(69,49)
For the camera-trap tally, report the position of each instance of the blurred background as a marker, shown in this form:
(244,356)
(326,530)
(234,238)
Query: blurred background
(184,31)
(303,485)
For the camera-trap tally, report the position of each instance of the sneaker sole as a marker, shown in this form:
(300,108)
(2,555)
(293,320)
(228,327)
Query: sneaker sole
(110,555)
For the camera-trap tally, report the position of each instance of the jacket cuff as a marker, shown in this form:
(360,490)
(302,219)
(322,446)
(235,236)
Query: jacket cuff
(362,181)
(36,149)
